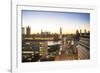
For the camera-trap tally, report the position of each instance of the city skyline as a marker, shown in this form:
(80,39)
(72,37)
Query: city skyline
(51,21)
(26,32)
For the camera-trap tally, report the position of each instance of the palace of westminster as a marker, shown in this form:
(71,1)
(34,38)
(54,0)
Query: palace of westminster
(47,46)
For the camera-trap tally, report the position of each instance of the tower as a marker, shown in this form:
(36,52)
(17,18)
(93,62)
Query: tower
(80,32)
(23,31)
(41,31)
(60,33)
(60,37)
(28,31)
(85,31)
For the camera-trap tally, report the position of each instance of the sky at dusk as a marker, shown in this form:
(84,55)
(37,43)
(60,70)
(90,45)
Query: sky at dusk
(51,21)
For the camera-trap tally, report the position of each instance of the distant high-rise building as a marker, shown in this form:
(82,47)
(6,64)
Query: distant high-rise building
(28,30)
(23,30)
